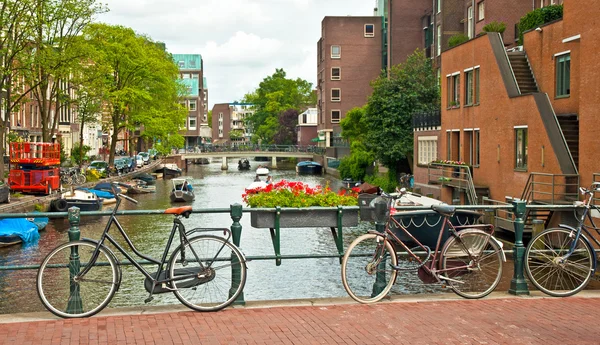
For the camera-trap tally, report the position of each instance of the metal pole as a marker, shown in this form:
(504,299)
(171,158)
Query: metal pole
(380,220)
(75,304)
(518,285)
(236,232)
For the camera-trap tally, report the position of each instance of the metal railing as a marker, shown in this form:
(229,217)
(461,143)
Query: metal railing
(257,148)
(427,119)
(551,188)
(453,175)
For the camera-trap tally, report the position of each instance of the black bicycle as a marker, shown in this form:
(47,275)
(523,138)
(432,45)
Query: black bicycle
(206,272)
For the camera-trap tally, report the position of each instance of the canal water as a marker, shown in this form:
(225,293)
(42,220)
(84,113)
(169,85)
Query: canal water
(214,188)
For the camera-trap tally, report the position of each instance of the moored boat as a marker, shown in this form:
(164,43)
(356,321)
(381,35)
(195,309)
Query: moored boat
(309,167)
(20,230)
(169,170)
(148,178)
(85,200)
(182,191)
(140,187)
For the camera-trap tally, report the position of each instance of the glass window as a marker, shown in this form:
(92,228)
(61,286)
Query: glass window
(469,87)
(193,105)
(453,86)
(181,64)
(336,73)
(563,75)
(185,76)
(192,123)
(336,52)
(481,10)
(439,6)
(439,40)
(476,85)
(369,30)
(449,145)
(427,149)
(477,148)
(336,95)
(335,116)
(520,148)
(470,21)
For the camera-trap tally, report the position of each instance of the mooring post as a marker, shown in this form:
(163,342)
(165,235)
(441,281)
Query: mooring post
(236,233)
(380,220)
(518,285)
(74,304)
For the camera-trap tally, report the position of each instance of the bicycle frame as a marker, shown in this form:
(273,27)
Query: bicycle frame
(586,229)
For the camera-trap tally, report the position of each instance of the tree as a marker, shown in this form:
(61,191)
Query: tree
(286,132)
(353,125)
(411,87)
(276,94)
(360,159)
(209,118)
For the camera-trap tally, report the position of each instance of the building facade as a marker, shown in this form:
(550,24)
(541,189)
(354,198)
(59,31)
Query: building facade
(228,123)
(307,127)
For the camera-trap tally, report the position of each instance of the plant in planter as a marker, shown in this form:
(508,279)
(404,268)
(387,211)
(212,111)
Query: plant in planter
(301,195)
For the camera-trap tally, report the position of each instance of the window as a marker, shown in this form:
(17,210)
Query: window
(472,86)
(439,6)
(427,149)
(336,95)
(449,145)
(335,116)
(563,75)
(185,76)
(220,116)
(476,160)
(439,40)
(181,64)
(470,21)
(193,105)
(192,123)
(336,73)
(472,146)
(369,30)
(481,10)
(477,85)
(521,148)
(453,87)
(336,52)
(192,63)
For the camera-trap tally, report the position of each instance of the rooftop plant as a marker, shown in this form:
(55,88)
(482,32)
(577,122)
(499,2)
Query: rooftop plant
(494,27)
(457,39)
(539,17)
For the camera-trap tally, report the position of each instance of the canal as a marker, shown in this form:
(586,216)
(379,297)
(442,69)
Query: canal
(214,188)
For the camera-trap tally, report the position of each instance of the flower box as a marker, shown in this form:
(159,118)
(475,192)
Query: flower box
(304,218)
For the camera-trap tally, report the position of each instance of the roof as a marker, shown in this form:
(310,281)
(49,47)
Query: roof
(192,86)
(188,61)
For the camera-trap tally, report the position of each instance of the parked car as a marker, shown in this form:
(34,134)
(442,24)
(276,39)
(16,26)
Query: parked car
(122,165)
(145,157)
(131,162)
(153,153)
(4,193)
(139,161)
(100,166)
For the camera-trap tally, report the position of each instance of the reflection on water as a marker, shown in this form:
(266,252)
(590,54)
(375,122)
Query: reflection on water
(295,278)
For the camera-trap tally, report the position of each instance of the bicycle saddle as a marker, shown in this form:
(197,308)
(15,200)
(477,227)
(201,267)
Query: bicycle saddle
(444,210)
(183,210)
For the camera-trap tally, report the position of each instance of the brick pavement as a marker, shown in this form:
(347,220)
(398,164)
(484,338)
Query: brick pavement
(505,320)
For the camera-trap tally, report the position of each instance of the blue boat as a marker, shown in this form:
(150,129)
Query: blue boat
(21,230)
(309,167)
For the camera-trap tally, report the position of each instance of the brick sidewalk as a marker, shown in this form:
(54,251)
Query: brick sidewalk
(489,321)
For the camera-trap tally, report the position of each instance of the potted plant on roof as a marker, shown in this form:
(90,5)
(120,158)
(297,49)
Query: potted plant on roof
(314,205)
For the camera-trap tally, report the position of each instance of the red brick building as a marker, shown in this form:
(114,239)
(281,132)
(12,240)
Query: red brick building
(307,127)
(227,119)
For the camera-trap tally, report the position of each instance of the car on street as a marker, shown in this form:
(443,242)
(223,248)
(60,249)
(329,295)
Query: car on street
(100,166)
(145,157)
(139,161)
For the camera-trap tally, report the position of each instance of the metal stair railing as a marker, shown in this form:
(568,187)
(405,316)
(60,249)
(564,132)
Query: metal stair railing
(454,175)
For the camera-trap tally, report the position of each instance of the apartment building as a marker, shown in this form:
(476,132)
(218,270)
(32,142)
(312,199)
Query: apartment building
(307,127)
(191,69)
(524,120)
(228,123)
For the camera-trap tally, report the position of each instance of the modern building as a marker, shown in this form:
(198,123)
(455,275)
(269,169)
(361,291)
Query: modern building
(524,120)
(191,69)
(307,127)
(228,123)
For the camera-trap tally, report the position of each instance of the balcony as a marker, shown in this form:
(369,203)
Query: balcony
(427,120)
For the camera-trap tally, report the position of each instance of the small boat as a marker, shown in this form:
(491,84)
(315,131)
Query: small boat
(21,230)
(243,164)
(169,170)
(140,187)
(182,190)
(262,178)
(85,200)
(149,179)
(107,187)
(309,167)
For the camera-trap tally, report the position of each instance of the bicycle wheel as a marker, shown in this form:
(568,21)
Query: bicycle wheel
(80,178)
(215,261)
(367,274)
(65,179)
(472,262)
(69,297)
(544,266)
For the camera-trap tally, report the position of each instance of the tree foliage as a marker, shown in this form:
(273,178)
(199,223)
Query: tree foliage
(286,132)
(539,17)
(411,87)
(275,95)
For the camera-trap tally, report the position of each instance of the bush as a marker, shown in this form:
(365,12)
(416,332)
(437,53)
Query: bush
(457,39)
(388,182)
(39,207)
(539,17)
(75,153)
(494,27)
(92,175)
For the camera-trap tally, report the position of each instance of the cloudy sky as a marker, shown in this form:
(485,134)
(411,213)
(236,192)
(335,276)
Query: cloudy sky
(241,41)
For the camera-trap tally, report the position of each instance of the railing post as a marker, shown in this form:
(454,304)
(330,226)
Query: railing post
(518,285)
(380,220)
(236,233)
(74,304)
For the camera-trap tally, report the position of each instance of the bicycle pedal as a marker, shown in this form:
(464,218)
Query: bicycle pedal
(149,299)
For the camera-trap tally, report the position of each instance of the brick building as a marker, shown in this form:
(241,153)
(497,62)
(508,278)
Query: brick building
(523,120)
(307,127)
(228,123)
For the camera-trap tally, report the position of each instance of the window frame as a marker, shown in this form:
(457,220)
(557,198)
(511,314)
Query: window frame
(195,107)
(563,70)
(426,149)
(470,18)
(339,115)
(339,76)
(190,127)
(339,97)
(481,11)
(469,86)
(372,34)
(521,145)
(439,6)
(438,48)
(339,54)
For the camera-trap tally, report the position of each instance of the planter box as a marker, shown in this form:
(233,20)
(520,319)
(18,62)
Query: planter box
(305,218)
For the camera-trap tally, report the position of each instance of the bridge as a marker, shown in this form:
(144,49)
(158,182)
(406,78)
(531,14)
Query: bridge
(248,151)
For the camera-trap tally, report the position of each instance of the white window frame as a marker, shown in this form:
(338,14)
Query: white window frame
(427,149)
(190,127)
(339,116)
(339,76)
(439,6)
(372,34)
(470,21)
(194,107)
(336,99)
(339,54)
(481,11)
(439,40)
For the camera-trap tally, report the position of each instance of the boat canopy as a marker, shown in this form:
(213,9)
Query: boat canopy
(25,229)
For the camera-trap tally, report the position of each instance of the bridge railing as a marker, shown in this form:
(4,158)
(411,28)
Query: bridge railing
(257,148)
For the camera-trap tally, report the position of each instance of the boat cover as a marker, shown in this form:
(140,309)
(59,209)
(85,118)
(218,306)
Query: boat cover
(100,193)
(27,230)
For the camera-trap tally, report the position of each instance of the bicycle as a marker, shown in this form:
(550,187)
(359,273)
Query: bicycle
(469,261)
(561,261)
(205,272)
(72,176)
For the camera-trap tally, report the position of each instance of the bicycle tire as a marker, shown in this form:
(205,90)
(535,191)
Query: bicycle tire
(470,279)
(546,272)
(211,250)
(65,179)
(57,293)
(366,268)
(81,179)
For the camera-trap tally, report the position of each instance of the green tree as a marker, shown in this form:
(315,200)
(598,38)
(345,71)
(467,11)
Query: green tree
(274,95)
(209,118)
(411,87)
(360,159)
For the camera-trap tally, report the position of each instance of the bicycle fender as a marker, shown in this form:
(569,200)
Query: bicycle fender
(110,252)
(587,242)
(501,245)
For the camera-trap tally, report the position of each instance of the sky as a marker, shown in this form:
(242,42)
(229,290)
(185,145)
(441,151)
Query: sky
(241,41)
